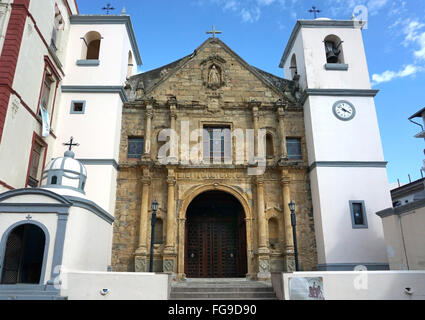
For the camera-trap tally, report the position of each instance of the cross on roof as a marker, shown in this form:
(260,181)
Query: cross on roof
(213,31)
(314,11)
(108,8)
(70,144)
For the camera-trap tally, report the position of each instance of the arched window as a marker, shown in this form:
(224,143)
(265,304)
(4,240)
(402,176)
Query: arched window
(293,67)
(158,235)
(130,65)
(54,180)
(333,49)
(273,233)
(91,46)
(269,146)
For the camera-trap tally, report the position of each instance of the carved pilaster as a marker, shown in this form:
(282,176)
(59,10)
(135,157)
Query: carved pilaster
(263,251)
(174,148)
(148,130)
(140,259)
(143,229)
(180,260)
(254,105)
(285,182)
(171,212)
(281,106)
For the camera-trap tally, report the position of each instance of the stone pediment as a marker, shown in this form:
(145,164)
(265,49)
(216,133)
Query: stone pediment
(213,68)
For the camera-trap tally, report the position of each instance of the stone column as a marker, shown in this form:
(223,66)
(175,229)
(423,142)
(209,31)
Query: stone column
(174,149)
(289,260)
(263,251)
(169,251)
(255,123)
(148,129)
(282,134)
(180,267)
(140,262)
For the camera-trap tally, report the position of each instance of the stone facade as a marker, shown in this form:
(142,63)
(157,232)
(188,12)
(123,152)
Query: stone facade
(212,86)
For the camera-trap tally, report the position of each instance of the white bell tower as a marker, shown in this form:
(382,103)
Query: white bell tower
(347,167)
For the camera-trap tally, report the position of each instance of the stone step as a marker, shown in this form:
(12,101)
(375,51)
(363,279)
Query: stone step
(221,288)
(221,295)
(23,296)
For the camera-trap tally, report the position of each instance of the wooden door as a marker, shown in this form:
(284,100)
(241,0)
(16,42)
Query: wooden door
(212,247)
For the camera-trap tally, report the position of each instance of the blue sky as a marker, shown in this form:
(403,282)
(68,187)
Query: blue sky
(258,31)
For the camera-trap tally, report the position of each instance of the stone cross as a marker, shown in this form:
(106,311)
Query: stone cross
(214,32)
(314,11)
(70,144)
(108,8)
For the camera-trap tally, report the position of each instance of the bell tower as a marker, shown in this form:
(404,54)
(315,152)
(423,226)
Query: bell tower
(347,167)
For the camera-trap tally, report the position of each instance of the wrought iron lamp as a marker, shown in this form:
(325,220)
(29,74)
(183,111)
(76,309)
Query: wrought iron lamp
(294,232)
(153,222)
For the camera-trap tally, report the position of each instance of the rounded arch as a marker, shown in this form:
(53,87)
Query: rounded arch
(8,232)
(91,46)
(195,191)
(130,64)
(333,49)
(293,66)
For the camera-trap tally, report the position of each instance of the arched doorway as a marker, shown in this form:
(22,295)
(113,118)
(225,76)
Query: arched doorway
(24,255)
(215,244)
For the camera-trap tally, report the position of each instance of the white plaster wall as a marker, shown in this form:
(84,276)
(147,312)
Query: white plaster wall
(113,56)
(298,49)
(97,130)
(122,286)
(330,139)
(49,220)
(405,239)
(357,75)
(334,188)
(101,186)
(374,285)
(4,20)
(395,244)
(87,241)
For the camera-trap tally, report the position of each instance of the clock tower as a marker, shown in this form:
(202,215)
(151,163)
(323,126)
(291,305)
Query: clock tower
(326,58)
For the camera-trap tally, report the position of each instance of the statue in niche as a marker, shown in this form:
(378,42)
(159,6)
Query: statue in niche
(214,77)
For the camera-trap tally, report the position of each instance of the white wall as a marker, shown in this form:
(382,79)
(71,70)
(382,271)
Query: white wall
(87,241)
(122,286)
(113,56)
(98,132)
(330,139)
(363,285)
(332,190)
(405,238)
(357,75)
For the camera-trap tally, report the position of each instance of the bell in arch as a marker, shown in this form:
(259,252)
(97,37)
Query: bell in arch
(332,52)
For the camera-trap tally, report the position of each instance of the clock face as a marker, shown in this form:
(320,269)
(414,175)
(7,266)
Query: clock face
(344,110)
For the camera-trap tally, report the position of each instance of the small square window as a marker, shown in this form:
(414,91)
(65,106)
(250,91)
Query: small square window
(78,107)
(358,214)
(293,147)
(135,148)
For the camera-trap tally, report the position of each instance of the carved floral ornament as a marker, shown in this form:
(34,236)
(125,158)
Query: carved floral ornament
(213,72)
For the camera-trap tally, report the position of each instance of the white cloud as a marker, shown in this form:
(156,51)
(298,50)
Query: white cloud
(265,2)
(252,15)
(388,75)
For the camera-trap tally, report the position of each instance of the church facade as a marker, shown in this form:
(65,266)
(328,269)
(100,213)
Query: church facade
(215,217)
